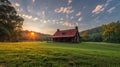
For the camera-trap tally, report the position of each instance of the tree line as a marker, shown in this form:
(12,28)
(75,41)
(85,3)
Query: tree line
(107,33)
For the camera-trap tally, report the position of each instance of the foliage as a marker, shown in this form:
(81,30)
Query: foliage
(42,54)
(96,37)
(108,33)
(94,34)
(10,22)
(85,36)
(111,32)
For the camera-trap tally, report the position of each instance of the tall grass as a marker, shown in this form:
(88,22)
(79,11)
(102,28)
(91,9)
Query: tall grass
(43,54)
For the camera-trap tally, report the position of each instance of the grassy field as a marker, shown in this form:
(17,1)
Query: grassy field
(43,54)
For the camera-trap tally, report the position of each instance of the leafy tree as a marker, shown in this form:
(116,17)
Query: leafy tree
(10,22)
(111,32)
(85,36)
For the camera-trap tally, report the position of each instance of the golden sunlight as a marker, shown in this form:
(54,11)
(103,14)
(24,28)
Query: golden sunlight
(32,33)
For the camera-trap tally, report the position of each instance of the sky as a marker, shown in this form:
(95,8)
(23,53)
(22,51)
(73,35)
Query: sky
(46,16)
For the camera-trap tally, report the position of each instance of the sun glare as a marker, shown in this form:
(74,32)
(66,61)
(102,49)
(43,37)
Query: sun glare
(32,33)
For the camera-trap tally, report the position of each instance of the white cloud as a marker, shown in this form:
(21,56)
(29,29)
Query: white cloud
(80,19)
(33,1)
(29,17)
(69,2)
(44,21)
(66,10)
(78,14)
(41,14)
(107,2)
(35,18)
(111,9)
(61,19)
(16,4)
(69,24)
(26,16)
(98,9)
(76,24)
(19,10)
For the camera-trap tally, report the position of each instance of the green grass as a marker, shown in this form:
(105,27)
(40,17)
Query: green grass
(43,54)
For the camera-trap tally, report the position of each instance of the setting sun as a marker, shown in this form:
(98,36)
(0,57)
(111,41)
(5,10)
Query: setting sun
(32,33)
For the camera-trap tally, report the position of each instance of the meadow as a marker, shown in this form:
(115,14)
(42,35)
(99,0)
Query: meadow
(49,54)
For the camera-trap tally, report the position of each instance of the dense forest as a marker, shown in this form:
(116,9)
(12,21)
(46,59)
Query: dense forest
(108,33)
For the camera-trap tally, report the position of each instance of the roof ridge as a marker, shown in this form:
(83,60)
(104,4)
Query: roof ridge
(67,29)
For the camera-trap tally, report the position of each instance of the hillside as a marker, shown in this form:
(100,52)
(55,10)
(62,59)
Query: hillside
(94,34)
(26,36)
(93,30)
(43,54)
(107,33)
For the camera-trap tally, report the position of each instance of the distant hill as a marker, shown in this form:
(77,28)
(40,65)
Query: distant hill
(111,33)
(26,36)
(95,34)
(93,30)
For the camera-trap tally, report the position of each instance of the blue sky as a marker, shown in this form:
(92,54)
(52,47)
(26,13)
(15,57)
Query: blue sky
(46,16)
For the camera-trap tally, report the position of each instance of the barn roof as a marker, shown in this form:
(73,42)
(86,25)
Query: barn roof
(65,33)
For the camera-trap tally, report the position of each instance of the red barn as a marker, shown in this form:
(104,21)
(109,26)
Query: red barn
(70,35)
